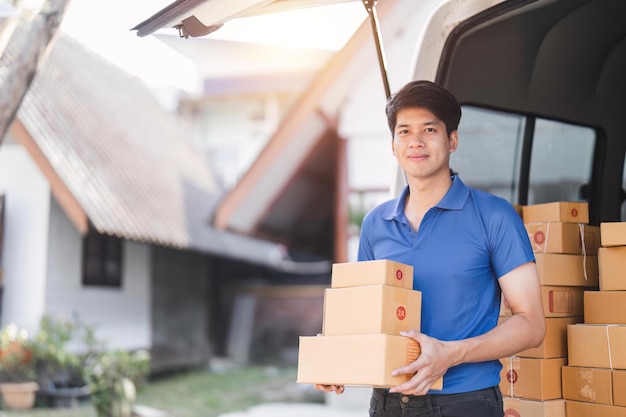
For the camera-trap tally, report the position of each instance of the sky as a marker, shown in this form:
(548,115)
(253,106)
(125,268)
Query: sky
(104,26)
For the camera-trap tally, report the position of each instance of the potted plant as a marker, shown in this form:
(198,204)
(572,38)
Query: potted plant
(17,368)
(59,369)
(113,378)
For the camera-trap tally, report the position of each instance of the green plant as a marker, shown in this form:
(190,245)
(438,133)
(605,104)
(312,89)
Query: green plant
(17,359)
(56,364)
(113,377)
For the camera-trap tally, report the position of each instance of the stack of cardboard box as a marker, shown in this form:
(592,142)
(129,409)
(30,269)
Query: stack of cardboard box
(368,305)
(565,249)
(594,382)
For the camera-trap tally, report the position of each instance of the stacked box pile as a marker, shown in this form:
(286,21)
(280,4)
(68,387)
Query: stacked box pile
(565,248)
(368,305)
(594,382)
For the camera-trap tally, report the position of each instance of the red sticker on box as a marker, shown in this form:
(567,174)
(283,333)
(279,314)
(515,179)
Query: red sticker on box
(511,376)
(574,212)
(401,313)
(539,237)
(399,274)
(511,413)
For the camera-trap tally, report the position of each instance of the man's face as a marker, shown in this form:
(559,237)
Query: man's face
(421,143)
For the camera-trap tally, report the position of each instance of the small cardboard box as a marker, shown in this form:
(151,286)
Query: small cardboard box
(352,274)
(560,237)
(612,268)
(594,385)
(583,409)
(363,360)
(517,407)
(562,301)
(596,346)
(371,309)
(605,307)
(619,388)
(530,378)
(613,234)
(557,302)
(561,211)
(554,344)
(567,270)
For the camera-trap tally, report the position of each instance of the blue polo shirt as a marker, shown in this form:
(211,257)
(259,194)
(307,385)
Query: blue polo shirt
(464,244)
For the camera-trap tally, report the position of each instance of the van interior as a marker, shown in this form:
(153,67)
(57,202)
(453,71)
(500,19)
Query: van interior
(543,89)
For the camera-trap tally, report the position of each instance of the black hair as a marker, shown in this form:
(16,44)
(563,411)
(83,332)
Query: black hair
(428,95)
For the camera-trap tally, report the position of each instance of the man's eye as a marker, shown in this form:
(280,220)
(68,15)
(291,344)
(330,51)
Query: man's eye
(403,132)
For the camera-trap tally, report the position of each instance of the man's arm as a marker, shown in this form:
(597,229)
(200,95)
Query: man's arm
(524,329)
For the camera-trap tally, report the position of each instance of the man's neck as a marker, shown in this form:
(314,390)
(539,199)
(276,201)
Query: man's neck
(427,192)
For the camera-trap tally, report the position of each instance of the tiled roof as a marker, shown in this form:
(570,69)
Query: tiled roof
(124,158)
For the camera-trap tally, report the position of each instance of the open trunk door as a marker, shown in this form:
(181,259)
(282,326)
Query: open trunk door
(200,17)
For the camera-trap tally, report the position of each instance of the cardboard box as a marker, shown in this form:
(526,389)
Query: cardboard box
(612,268)
(594,385)
(371,309)
(560,237)
(613,234)
(558,301)
(605,307)
(596,346)
(562,301)
(534,379)
(561,211)
(554,344)
(352,274)
(567,270)
(619,388)
(582,409)
(363,360)
(517,407)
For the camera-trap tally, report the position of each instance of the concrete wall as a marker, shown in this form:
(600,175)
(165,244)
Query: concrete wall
(121,316)
(25,245)
(180,309)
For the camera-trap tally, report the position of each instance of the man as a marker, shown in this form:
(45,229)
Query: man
(467,247)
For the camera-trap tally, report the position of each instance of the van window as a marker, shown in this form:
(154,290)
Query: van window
(623,218)
(561,162)
(556,160)
(489,151)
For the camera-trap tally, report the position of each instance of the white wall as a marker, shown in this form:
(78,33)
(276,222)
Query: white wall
(121,316)
(25,237)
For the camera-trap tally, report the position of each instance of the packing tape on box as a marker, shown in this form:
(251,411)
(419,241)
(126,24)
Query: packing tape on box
(608,344)
(581,227)
(511,375)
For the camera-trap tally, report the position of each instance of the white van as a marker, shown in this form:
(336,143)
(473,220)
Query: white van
(542,84)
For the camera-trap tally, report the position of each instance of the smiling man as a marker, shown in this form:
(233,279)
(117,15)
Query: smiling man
(467,247)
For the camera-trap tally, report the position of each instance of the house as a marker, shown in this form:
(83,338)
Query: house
(106,219)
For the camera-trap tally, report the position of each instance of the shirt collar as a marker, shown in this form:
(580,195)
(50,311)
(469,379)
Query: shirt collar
(454,199)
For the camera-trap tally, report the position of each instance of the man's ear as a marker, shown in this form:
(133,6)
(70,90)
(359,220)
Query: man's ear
(454,140)
(393,147)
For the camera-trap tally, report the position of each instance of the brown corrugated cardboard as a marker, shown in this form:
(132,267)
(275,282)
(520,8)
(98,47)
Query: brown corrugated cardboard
(567,270)
(557,302)
(596,346)
(562,301)
(619,388)
(562,211)
(613,234)
(517,407)
(342,360)
(371,309)
(593,385)
(612,267)
(554,344)
(382,271)
(582,409)
(605,307)
(560,237)
(534,379)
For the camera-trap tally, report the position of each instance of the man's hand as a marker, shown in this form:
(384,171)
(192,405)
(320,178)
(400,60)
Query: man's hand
(338,389)
(434,360)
